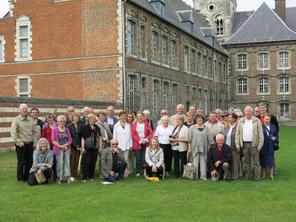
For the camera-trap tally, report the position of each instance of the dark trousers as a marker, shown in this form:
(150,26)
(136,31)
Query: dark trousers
(24,161)
(119,170)
(168,156)
(88,163)
(180,159)
(149,172)
(32,179)
(74,161)
(140,157)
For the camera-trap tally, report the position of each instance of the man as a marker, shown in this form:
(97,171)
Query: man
(180,111)
(219,113)
(220,158)
(214,125)
(192,110)
(249,138)
(111,119)
(23,132)
(113,163)
(85,112)
(70,111)
(263,111)
(163,112)
(38,122)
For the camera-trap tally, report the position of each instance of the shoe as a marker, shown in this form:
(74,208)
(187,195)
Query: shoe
(205,179)
(138,174)
(72,179)
(84,181)
(91,179)
(68,180)
(59,182)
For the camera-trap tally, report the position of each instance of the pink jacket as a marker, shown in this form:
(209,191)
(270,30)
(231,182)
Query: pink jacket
(136,138)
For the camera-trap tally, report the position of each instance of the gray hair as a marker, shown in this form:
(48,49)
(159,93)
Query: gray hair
(43,140)
(164,118)
(61,117)
(23,105)
(146,112)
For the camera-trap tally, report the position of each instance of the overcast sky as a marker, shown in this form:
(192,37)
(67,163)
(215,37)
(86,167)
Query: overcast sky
(243,5)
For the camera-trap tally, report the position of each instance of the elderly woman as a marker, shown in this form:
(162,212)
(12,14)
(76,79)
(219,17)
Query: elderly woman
(189,119)
(91,141)
(62,140)
(75,127)
(42,163)
(199,140)
(154,159)
(105,129)
(163,133)
(146,114)
(179,145)
(141,135)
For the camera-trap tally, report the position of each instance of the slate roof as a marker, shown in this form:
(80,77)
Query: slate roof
(291,18)
(179,15)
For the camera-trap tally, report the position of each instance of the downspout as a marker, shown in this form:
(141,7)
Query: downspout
(123,54)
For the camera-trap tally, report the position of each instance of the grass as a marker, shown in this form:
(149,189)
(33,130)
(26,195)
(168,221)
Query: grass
(169,200)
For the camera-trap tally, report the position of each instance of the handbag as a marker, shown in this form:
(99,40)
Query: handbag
(40,177)
(189,171)
(89,142)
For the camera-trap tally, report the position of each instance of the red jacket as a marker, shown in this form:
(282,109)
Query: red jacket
(46,133)
(136,139)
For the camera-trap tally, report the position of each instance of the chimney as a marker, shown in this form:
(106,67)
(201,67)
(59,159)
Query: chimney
(280,9)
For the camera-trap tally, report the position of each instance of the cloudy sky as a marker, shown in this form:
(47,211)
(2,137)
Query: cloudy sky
(243,5)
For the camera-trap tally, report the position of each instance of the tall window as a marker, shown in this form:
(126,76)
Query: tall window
(219,25)
(204,66)
(131,38)
(242,85)
(156,97)
(166,95)
(174,53)
(23,87)
(263,60)
(132,87)
(198,64)
(210,68)
(144,98)
(143,41)
(23,38)
(284,84)
(193,61)
(241,61)
(200,97)
(165,50)
(175,95)
(284,110)
(283,59)
(186,58)
(155,46)
(2,49)
(263,85)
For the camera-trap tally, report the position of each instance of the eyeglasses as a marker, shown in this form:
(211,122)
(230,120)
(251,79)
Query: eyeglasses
(114,144)
(71,111)
(62,121)
(163,113)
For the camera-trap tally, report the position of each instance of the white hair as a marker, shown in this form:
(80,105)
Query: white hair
(164,118)
(23,105)
(61,117)
(146,112)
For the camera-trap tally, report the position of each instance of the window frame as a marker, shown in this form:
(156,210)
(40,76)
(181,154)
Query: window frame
(279,63)
(134,40)
(242,68)
(259,61)
(157,61)
(2,48)
(238,86)
(21,22)
(259,84)
(18,86)
(288,83)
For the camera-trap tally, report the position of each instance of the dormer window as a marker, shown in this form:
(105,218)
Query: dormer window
(159,6)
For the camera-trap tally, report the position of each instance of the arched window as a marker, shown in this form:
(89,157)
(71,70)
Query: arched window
(219,25)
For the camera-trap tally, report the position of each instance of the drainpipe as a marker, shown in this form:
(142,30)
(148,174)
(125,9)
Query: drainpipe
(123,54)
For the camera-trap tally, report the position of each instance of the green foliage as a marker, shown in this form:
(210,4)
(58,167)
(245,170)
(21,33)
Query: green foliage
(169,200)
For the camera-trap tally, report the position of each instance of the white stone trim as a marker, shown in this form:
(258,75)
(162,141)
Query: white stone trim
(6,140)
(59,1)
(4,129)
(2,42)
(23,21)
(17,86)
(11,6)
(6,119)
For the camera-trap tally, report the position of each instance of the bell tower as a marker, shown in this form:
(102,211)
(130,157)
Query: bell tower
(219,14)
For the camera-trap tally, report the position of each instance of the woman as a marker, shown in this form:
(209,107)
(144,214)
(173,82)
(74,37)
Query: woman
(199,140)
(62,140)
(47,128)
(130,118)
(154,159)
(267,152)
(91,141)
(230,141)
(141,135)
(189,120)
(122,133)
(75,129)
(105,130)
(42,162)
(179,145)
(163,133)
(146,114)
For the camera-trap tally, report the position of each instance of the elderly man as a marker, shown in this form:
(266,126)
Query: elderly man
(249,138)
(180,111)
(70,111)
(85,112)
(163,112)
(111,119)
(113,163)
(24,134)
(214,125)
(219,159)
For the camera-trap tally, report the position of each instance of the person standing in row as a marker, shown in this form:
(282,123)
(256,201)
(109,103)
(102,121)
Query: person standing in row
(214,125)
(180,111)
(141,135)
(111,119)
(91,141)
(62,140)
(199,140)
(70,111)
(24,135)
(249,138)
(38,122)
(105,130)
(163,133)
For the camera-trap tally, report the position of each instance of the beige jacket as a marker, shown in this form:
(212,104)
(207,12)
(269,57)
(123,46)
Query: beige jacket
(258,137)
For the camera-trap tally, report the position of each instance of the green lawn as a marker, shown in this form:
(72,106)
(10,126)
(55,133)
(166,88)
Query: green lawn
(169,200)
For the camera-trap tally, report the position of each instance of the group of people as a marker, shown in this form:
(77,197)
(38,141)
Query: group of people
(225,146)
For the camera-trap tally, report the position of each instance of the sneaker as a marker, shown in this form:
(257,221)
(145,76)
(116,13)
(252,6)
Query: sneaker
(72,179)
(138,174)
(84,181)
(59,182)
(68,180)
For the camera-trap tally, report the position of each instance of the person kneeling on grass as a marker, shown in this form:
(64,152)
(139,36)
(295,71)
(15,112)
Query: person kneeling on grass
(154,159)
(42,164)
(113,163)
(220,158)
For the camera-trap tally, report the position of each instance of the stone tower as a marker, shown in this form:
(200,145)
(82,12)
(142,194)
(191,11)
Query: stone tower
(219,14)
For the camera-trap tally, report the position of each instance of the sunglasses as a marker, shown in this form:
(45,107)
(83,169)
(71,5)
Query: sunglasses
(71,111)
(163,113)
(114,144)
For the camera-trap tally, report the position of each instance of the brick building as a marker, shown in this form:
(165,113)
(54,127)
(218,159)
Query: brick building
(136,54)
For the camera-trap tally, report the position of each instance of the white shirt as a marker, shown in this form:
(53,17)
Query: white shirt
(267,131)
(123,135)
(110,120)
(228,136)
(141,130)
(163,133)
(248,130)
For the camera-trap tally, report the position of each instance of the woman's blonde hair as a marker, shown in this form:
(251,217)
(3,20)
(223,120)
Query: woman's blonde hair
(43,140)
(150,143)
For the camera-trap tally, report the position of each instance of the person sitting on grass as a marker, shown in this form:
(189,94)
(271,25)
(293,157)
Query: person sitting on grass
(220,159)
(154,159)
(42,163)
(113,163)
